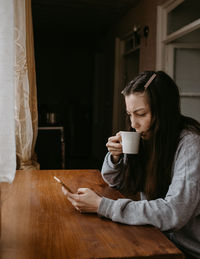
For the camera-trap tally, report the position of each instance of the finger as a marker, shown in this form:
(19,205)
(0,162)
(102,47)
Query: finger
(85,191)
(114,150)
(73,202)
(119,135)
(114,138)
(114,145)
(82,190)
(64,190)
(77,208)
(73,196)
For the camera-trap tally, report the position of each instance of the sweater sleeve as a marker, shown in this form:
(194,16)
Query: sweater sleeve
(182,201)
(113,173)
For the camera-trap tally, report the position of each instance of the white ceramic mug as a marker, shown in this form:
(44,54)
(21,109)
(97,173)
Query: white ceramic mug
(130,142)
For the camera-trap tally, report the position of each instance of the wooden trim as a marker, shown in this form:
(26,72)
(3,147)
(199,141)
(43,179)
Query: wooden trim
(127,35)
(172,4)
(183,31)
(169,60)
(185,45)
(119,49)
(131,51)
(160,50)
(190,94)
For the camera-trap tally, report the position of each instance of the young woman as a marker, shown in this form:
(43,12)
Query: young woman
(166,171)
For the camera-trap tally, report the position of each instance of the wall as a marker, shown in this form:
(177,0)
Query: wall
(144,14)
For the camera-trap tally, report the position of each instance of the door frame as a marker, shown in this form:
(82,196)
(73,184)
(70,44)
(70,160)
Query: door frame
(117,121)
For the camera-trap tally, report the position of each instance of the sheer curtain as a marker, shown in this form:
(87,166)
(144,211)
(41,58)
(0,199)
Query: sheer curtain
(26,118)
(18,98)
(7,97)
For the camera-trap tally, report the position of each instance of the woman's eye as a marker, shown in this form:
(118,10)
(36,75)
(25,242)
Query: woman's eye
(141,115)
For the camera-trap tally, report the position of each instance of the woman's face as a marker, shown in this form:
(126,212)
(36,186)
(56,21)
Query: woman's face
(138,109)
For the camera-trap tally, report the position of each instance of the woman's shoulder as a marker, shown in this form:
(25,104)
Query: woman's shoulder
(189,139)
(187,156)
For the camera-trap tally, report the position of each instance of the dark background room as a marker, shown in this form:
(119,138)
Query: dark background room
(74,53)
(86,51)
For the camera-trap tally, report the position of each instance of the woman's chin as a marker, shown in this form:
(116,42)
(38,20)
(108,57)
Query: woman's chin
(145,136)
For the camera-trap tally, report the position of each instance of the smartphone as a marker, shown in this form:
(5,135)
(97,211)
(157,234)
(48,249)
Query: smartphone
(64,185)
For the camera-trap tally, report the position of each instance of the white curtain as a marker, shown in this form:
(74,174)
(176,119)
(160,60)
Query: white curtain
(7,96)
(18,97)
(26,116)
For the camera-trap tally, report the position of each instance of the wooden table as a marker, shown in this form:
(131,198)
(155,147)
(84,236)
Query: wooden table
(39,222)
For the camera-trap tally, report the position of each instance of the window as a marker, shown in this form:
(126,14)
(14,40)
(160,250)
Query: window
(178,50)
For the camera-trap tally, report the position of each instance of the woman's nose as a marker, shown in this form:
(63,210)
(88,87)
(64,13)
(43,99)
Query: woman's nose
(134,123)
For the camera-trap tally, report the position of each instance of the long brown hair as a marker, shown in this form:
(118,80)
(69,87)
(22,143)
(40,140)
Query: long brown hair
(150,170)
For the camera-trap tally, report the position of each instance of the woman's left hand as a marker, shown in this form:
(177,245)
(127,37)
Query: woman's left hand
(85,200)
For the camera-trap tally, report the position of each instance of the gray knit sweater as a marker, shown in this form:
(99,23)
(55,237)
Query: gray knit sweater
(178,214)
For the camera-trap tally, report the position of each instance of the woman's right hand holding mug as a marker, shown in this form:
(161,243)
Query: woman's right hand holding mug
(115,147)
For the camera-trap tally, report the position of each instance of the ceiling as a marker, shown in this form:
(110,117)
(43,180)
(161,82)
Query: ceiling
(78,15)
